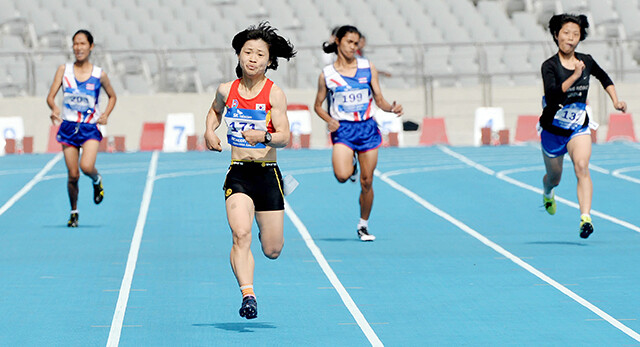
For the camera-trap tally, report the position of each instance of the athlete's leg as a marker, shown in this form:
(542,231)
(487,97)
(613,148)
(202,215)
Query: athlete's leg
(368,162)
(271,236)
(71,154)
(88,159)
(342,160)
(579,149)
(553,173)
(88,167)
(240,213)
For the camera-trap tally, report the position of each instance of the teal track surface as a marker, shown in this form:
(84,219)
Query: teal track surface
(465,254)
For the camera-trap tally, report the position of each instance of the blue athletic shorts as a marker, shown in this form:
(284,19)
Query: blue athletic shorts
(556,145)
(359,136)
(76,134)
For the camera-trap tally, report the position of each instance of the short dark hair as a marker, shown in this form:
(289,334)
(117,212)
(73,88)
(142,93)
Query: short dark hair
(557,21)
(86,33)
(279,47)
(332,47)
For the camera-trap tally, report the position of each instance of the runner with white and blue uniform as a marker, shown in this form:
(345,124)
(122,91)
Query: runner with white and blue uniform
(81,82)
(564,121)
(350,85)
(80,112)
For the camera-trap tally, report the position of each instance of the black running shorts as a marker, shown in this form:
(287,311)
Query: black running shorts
(261,181)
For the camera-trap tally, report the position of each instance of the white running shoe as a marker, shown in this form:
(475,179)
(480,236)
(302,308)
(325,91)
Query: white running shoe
(363,234)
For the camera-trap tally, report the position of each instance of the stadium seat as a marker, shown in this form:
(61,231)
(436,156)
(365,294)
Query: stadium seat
(10,146)
(620,128)
(152,137)
(433,132)
(27,144)
(119,144)
(526,130)
(53,145)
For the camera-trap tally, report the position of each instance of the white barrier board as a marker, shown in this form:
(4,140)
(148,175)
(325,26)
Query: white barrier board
(176,129)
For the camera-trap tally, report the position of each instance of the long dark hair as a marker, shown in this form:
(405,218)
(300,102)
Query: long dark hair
(279,47)
(332,47)
(557,21)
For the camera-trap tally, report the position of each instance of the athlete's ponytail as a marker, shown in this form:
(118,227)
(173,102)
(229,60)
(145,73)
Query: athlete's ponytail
(332,47)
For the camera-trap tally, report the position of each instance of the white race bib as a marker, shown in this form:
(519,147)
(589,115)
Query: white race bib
(571,117)
(79,102)
(239,120)
(352,100)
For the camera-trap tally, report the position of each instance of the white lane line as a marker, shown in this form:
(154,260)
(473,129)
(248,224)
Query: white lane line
(125,287)
(423,169)
(190,173)
(328,271)
(27,187)
(631,333)
(503,176)
(618,173)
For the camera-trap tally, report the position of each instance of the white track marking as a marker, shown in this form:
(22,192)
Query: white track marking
(125,287)
(328,271)
(422,169)
(27,187)
(631,333)
(618,174)
(503,176)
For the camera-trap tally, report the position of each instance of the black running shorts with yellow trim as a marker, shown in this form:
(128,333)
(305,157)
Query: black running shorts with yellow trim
(261,181)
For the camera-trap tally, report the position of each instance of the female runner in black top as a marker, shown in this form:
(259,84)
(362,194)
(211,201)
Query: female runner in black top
(564,120)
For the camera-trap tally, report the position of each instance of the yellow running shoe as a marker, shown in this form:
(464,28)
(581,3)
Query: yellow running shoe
(549,204)
(586,228)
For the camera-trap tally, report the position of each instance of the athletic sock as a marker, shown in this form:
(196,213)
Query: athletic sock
(550,195)
(74,211)
(247,290)
(95,178)
(363,223)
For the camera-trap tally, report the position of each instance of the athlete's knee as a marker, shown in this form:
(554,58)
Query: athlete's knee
(87,169)
(242,237)
(341,178)
(272,252)
(73,176)
(366,182)
(581,168)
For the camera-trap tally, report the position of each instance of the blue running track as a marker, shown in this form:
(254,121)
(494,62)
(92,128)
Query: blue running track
(465,254)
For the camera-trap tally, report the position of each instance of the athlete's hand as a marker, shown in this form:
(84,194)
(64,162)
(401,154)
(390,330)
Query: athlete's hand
(212,141)
(397,109)
(333,125)
(253,136)
(55,116)
(578,68)
(102,120)
(620,106)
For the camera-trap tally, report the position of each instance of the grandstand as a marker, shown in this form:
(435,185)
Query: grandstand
(479,48)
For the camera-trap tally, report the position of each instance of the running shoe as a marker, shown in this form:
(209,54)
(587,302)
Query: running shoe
(363,234)
(249,309)
(73,220)
(98,192)
(586,228)
(354,175)
(549,204)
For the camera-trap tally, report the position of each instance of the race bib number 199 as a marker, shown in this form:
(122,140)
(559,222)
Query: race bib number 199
(353,100)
